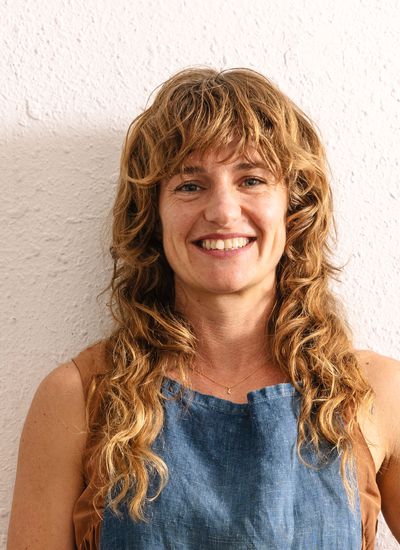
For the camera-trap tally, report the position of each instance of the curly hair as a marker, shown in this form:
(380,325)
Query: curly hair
(196,110)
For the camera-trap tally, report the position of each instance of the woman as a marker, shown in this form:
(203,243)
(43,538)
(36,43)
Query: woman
(228,409)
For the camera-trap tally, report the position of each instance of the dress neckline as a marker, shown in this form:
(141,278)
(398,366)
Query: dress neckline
(266,393)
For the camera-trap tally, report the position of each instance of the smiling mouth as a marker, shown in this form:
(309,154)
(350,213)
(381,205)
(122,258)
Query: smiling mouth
(225,244)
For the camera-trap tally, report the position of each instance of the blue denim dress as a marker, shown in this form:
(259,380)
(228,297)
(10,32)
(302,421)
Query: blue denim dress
(235,481)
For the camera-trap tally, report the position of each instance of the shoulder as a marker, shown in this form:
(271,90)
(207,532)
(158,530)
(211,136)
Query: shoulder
(57,411)
(92,361)
(69,379)
(59,404)
(376,367)
(64,379)
(383,374)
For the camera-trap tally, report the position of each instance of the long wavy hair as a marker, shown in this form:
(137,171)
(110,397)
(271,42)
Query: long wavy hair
(196,110)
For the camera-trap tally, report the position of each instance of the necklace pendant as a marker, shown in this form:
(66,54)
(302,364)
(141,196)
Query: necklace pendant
(229,390)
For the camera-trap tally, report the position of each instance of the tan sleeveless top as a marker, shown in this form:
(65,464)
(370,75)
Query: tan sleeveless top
(87,521)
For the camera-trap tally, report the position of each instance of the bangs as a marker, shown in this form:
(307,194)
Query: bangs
(212,114)
(199,110)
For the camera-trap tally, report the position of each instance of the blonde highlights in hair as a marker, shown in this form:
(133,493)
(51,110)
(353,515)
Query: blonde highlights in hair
(198,110)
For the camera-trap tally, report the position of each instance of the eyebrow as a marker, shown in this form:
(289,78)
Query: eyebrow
(196,169)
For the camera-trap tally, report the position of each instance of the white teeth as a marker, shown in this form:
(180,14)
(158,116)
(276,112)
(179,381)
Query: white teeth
(228,244)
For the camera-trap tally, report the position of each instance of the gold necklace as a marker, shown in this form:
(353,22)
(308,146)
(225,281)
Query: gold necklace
(228,388)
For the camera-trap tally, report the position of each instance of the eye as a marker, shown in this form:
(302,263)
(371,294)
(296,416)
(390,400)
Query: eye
(188,187)
(252,182)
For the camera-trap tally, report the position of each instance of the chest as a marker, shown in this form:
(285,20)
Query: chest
(235,481)
(370,425)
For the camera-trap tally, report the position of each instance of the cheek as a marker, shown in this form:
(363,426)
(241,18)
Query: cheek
(273,223)
(175,233)
(274,216)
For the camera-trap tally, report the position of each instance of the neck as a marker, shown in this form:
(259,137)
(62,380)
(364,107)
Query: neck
(231,331)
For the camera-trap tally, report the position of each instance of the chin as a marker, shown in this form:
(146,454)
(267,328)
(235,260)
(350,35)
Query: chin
(225,287)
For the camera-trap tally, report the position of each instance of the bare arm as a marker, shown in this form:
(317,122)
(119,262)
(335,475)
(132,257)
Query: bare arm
(389,485)
(49,472)
(384,376)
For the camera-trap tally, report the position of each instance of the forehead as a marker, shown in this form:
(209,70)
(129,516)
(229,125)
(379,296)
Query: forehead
(202,162)
(234,156)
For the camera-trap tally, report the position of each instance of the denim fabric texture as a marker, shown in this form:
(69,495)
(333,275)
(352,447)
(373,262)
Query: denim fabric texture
(235,481)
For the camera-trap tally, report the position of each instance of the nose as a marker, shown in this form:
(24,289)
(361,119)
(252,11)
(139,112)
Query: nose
(223,206)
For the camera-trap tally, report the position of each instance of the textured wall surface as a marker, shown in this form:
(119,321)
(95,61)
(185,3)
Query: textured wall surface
(73,75)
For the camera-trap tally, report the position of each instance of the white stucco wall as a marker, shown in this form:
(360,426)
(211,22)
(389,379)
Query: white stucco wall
(74,73)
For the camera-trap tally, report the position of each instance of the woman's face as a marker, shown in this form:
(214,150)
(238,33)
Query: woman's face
(223,224)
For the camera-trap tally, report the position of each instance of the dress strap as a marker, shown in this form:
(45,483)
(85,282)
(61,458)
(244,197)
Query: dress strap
(370,498)
(87,520)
